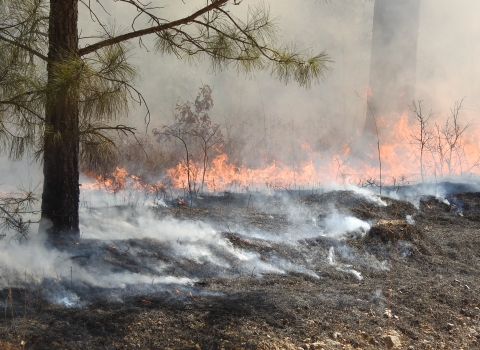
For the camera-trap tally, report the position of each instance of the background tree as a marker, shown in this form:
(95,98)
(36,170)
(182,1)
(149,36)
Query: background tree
(58,99)
(393,59)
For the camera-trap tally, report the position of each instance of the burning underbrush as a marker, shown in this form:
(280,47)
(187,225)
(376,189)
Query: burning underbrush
(194,155)
(344,268)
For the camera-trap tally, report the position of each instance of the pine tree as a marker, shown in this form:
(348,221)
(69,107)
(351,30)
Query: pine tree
(393,60)
(59,100)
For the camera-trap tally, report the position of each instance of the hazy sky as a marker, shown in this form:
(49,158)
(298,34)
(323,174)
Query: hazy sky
(447,65)
(447,70)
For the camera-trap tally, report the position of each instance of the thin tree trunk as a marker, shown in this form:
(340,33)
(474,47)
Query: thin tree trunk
(60,198)
(393,59)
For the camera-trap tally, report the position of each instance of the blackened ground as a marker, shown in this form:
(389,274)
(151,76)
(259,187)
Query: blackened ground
(429,298)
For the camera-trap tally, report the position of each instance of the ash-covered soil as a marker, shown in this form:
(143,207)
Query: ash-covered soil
(337,270)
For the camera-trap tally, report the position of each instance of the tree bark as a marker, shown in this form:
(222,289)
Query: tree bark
(393,60)
(60,198)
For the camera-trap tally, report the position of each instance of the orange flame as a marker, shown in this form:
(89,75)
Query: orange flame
(120,180)
(399,155)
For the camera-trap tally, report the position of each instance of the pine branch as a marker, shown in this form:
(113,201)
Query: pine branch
(138,33)
(25,47)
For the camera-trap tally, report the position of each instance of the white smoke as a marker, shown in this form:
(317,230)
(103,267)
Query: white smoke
(331,258)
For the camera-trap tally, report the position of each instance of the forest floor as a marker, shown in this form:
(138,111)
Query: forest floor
(406,283)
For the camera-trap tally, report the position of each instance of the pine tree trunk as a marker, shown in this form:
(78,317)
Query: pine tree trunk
(393,59)
(60,198)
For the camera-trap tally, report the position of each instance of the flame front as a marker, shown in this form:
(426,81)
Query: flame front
(397,150)
(120,180)
(222,175)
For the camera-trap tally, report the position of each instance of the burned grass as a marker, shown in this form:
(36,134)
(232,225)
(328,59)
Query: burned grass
(402,284)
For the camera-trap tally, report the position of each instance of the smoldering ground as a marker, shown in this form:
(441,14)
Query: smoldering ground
(134,248)
(253,270)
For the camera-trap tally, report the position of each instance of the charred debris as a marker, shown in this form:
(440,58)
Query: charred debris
(342,268)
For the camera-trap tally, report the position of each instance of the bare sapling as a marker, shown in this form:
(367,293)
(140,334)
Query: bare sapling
(212,137)
(181,135)
(197,134)
(341,169)
(438,150)
(397,183)
(452,134)
(448,148)
(421,138)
